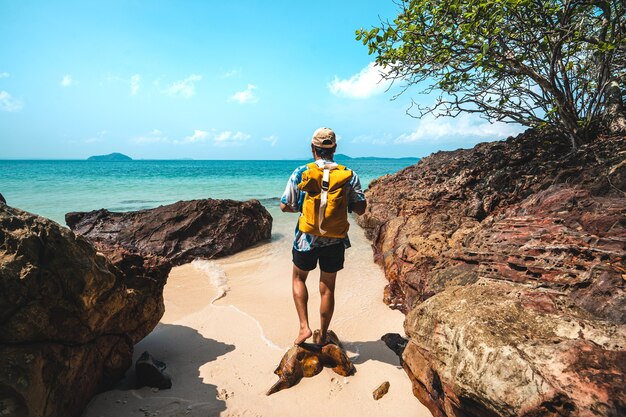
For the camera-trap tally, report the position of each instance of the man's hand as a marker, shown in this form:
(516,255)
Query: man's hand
(359,207)
(287,209)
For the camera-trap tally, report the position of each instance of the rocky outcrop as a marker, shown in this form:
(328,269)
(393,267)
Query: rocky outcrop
(68,316)
(178,232)
(509,260)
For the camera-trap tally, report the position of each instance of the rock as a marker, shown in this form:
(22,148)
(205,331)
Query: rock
(562,238)
(68,317)
(490,349)
(2,200)
(508,259)
(420,218)
(151,372)
(307,360)
(381,391)
(178,232)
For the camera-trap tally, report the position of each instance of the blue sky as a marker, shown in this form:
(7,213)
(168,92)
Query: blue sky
(205,80)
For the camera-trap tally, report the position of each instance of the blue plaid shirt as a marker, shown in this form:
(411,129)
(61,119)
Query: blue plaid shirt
(294,197)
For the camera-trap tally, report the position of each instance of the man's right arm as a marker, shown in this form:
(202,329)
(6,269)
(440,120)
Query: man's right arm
(287,209)
(290,200)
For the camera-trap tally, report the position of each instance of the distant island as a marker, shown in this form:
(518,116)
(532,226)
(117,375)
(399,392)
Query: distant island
(342,157)
(112,157)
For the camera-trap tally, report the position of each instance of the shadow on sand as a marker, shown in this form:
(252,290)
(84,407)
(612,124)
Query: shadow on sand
(184,351)
(375,350)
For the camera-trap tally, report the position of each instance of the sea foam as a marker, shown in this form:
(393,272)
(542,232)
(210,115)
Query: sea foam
(219,280)
(215,273)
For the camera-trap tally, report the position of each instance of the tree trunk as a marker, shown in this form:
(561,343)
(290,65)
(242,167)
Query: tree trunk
(614,110)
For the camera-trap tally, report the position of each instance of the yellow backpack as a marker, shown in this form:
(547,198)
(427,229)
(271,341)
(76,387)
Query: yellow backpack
(325,207)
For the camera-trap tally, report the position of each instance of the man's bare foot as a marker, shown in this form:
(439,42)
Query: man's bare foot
(303,335)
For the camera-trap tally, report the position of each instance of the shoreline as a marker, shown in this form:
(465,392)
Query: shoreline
(221,351)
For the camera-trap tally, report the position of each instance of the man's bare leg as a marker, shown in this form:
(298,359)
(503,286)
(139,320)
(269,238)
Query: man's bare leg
(301,298)
(327,305)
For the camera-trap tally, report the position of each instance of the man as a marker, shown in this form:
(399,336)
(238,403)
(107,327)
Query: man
(323,192)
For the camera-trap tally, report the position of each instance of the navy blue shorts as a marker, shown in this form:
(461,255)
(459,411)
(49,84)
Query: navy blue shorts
(330,258)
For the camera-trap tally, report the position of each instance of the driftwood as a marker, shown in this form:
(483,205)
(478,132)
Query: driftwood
(307,360)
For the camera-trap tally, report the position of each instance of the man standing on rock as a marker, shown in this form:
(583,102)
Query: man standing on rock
(323,192)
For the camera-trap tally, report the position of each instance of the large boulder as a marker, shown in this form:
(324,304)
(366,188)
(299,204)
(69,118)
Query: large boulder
(493,252)
(178,232)
(69,317)
(503,349)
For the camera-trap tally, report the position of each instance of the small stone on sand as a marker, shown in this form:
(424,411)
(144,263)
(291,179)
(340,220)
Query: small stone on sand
(381,390)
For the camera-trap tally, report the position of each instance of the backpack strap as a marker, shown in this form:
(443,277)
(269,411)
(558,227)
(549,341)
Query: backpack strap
(324,198)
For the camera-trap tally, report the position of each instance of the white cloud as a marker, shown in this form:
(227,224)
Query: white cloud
(432,129)
(229,138)
(98,137)
(272,139)
(66,81)
(184,88)
(156,136)
(245,96)
(8,103)
(231,73)
(135,81)
(198,136)
(4,75)
(224,138)
(367,83)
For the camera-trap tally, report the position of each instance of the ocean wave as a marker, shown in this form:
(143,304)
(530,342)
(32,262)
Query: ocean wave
(215,273)
(269,200)
(130,208)
(140,201)
(265,339)
(219,280)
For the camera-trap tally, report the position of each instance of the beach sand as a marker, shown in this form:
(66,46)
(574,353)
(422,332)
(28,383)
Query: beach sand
(222,354)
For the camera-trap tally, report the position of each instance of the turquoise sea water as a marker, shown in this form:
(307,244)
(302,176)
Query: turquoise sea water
(53,188)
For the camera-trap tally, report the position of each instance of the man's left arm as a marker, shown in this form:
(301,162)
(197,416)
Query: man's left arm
(356,202)
(359,207)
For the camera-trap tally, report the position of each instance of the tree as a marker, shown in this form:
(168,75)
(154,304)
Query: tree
(535,62)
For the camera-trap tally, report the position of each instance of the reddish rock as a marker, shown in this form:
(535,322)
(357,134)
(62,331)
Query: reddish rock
(494,251)
(478,350)
(419,218)
(178,232)
(68,317)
